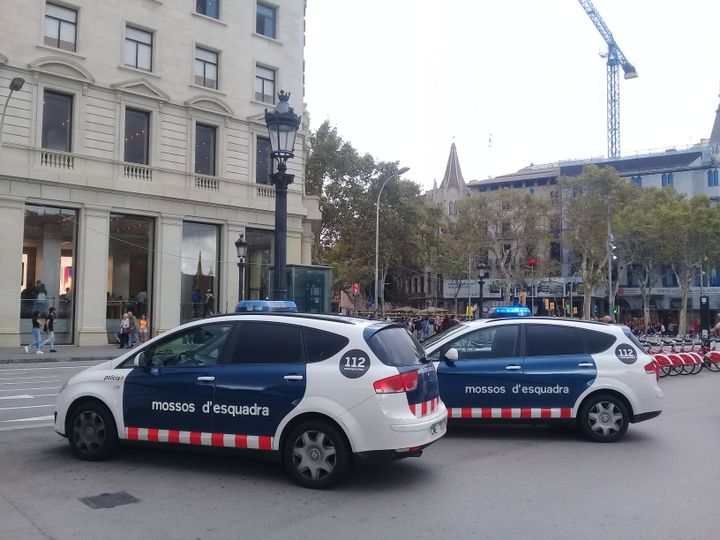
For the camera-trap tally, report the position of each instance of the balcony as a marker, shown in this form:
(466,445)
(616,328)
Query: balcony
(55,159)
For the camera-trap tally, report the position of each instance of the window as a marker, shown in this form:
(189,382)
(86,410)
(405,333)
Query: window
(138,48)
(637,180)
(497,342)
(713,180)
(197,346)
(206,68)
(205,149)
(547,340)
(596,342)
(321,345)
(452,208)
(268,343)
(57,121)
(264,84)
(266,20)
(263,161)
(60,27)
(137,136)
(395,347)
(210,8)
(667,179)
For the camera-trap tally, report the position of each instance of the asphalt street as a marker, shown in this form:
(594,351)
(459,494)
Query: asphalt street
(661,482)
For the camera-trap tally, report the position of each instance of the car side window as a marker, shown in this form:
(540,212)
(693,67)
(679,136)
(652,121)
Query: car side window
(496,342)
(551,340)
(596,342)
(321,345)
(260,342)
(197,346)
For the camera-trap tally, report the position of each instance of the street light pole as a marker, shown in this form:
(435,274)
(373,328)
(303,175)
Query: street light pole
(241,246)
(400,172)
(483,273)
(16,84)
(283,125)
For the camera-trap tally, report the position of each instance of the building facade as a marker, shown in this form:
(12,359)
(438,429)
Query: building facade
(136,154)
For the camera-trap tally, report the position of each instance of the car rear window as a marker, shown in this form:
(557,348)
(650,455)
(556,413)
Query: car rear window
(596,342)
(394,346)
(628,333)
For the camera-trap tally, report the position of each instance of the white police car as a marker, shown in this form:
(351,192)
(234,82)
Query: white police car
(545,370)
(317,392)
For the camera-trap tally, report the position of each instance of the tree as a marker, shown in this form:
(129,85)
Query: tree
(508,225)
(591,200)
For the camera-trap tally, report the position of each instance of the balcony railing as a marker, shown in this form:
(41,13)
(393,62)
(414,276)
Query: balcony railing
(265,192)
(206,183)
(137,172)
(57,160)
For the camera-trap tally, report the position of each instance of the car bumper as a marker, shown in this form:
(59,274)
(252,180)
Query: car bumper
(645,416)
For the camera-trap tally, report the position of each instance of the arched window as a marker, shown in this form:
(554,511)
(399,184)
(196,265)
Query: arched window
(712,175)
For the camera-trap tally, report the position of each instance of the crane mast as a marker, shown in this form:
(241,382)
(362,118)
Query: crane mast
(615,60)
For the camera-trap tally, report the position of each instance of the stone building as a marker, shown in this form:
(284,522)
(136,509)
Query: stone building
(136,154)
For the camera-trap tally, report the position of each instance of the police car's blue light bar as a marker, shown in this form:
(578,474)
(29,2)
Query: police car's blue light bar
(509,311)
(281,306)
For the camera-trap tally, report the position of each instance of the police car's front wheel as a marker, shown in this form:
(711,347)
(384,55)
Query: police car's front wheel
(316,454)
(92,431)
(604,418)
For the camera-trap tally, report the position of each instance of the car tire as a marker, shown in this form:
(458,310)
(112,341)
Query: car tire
(604,418)
(92,432)
(316,454)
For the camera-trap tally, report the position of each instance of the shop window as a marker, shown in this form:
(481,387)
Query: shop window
(199,286)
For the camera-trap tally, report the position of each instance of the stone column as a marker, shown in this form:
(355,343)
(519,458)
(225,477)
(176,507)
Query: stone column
(166,290)
(91,279)
(12,222)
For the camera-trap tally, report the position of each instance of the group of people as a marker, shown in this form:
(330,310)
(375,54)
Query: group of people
(47,324)
(133,331)
(424,327)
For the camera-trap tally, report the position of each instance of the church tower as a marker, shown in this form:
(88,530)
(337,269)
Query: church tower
(452,188)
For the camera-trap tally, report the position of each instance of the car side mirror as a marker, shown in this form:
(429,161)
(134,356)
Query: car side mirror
(140,360)
(451,355)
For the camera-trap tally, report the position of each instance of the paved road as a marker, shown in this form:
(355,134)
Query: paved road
(27,392)
(661,482)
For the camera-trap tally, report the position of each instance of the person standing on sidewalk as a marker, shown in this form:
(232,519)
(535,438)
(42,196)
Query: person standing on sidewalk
(50,330)
(134,330)
(124,330)
(143,323)
(37,338)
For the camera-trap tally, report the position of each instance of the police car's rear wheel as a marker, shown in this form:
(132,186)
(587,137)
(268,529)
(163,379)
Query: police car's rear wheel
(604,418)
(92,434)
(316,454)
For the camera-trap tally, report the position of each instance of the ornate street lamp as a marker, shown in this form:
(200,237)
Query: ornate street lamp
(15,85)
(283,125)
(241,246)
(483,274)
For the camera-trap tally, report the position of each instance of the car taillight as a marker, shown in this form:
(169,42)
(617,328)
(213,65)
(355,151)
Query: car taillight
(403,382)
(651,367)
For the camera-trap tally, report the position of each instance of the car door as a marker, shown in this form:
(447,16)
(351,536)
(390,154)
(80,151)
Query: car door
(261,383)
(556,369)
(482,378)
(176,381)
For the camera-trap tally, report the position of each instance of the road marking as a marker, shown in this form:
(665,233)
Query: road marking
(33,419)
(19,396)
(26,407)
(45,395)
(73,366)
(28,379)
(18,427)
(8,383)
(26,389)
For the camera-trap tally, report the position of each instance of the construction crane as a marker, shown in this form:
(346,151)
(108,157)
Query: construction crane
(615,60)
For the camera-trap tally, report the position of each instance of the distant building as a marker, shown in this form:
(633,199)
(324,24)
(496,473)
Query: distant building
(452,188)
(136,154)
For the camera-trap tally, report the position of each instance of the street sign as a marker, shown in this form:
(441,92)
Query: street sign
(356,289)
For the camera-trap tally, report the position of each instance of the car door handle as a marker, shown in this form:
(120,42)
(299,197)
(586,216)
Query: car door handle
(293,377)
(586,364)
(206,378)
(513,367)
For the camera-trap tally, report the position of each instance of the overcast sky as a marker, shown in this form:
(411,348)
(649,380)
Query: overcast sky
(401,78)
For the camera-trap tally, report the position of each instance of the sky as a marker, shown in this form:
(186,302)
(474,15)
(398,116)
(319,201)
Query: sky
(404,79)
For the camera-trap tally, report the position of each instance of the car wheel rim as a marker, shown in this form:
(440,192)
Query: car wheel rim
(605,418)
(89,432)
(314,455)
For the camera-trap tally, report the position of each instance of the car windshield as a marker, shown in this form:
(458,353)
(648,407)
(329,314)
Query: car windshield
(442,335)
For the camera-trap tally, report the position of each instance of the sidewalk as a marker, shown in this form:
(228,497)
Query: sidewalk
(65,353)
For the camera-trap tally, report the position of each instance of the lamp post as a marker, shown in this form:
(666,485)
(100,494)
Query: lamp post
(483,274)
(400,172)
(241,246)
(532,263)
(16,84)
(283,125)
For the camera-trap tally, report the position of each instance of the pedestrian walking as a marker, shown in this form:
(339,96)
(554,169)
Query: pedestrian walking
(50,330)
(209,303)
(37,338)
(134,334)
